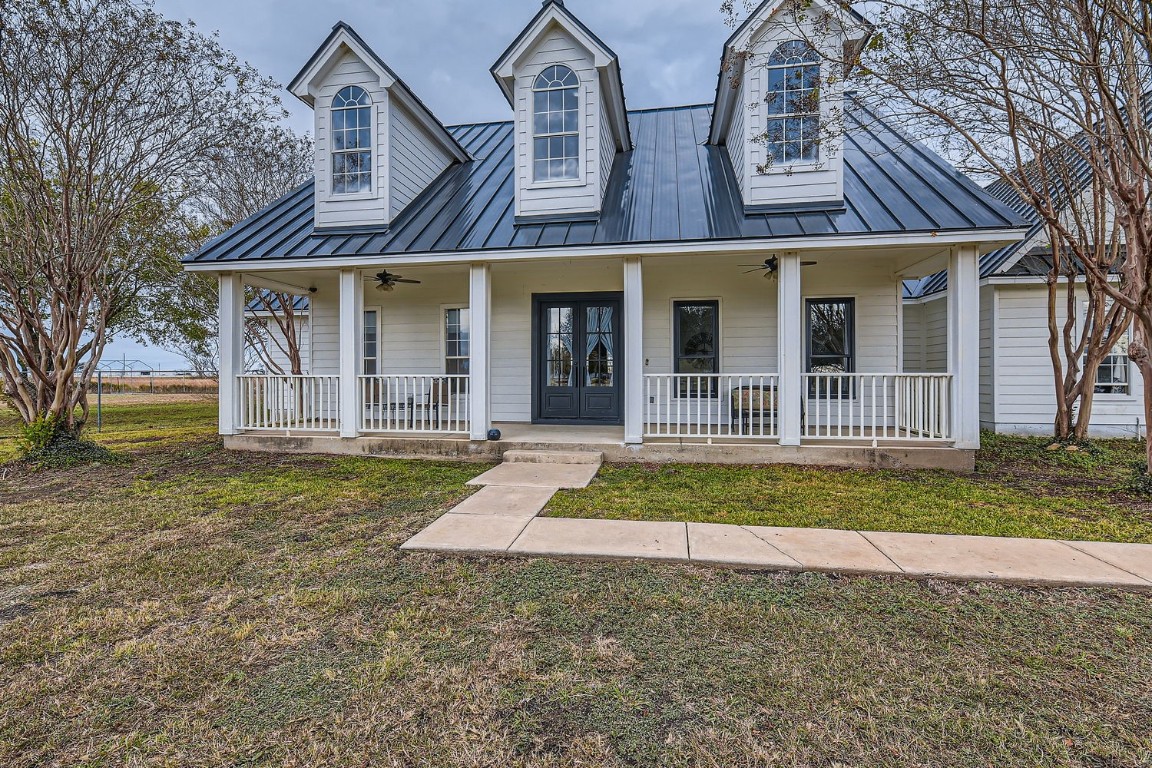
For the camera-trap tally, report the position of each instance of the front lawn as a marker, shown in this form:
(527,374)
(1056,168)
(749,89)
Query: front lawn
(199,607)
(1019,489)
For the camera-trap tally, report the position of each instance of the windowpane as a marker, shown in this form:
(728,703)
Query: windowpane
(351,141)
(456,325)
(831,343)
(555,125)
(793,82)
(371,350)
(697,332)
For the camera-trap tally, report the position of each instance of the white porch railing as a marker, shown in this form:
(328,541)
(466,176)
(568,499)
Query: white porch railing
(289,403)
(878,406)
(737,405)
(414,403)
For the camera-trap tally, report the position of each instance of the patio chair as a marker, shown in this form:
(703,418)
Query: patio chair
(749,403)
(431,404)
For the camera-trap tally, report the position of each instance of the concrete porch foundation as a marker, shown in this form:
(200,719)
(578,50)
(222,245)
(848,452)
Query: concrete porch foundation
(609,441)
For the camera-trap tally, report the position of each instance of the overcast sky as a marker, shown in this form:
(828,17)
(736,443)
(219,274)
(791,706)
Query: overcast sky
(669,54)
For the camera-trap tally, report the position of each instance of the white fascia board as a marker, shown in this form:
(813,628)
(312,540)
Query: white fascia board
(305,86)
(510,62)
(988,238)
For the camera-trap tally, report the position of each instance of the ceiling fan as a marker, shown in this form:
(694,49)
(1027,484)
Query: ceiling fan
(771,266)
(386,281)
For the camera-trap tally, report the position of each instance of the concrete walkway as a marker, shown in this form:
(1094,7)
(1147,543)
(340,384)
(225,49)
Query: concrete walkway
(501,518)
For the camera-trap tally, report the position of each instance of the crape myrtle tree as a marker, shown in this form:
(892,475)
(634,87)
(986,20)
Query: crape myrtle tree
(1051,100)
(110,117)
(264,161)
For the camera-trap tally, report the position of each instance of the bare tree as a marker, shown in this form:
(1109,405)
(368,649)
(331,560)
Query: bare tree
(259,165)
(1051,100)
(109,117)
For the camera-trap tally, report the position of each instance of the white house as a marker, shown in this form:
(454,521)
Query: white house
(587,274)
(1016,379)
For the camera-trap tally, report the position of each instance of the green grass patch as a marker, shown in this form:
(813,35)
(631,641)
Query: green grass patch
(1019,489)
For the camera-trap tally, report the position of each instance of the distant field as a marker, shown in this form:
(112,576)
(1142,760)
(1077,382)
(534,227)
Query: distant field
(159,384)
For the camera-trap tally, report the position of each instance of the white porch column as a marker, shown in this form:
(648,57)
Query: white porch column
(351,314)
(231,321)
(480,343)
(633,351)
(790,348)
(964,344)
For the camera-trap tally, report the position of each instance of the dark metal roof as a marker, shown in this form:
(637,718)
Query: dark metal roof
(672,187)
(299,303)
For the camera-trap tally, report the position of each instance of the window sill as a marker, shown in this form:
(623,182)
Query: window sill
(557,184)
(335,198)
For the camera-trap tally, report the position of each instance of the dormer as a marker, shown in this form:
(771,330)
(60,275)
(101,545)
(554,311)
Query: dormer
(564,86)
(780,102)
(377,145)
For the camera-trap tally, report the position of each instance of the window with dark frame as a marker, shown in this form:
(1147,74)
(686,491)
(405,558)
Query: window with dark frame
(831,345)
(696,331)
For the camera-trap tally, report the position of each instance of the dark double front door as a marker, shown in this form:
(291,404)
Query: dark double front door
(577,361)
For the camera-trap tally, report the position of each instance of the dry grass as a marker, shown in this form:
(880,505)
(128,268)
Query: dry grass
(204,608)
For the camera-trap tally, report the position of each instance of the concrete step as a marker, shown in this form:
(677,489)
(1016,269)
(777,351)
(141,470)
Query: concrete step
(553,457)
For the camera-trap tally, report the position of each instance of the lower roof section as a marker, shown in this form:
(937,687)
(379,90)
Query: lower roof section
(673,187)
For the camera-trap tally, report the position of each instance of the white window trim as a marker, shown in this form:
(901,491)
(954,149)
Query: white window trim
(379,340)
(582,94)
(784,166)
(442,320)
(1107,397)
(374,130)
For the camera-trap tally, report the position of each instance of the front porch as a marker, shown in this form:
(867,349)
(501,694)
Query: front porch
(431,368)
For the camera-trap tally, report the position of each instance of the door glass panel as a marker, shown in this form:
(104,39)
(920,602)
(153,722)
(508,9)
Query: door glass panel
(599,355)
(560,347)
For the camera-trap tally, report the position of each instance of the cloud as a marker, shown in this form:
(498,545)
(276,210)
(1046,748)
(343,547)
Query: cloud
(669,49)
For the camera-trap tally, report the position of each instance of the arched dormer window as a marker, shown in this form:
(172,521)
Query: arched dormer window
(556,125)
(351,141)
(792,128)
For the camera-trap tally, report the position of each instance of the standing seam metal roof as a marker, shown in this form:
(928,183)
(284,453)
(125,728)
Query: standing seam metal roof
(672,187)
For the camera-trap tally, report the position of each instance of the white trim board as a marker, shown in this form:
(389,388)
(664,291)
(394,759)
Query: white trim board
(990,239)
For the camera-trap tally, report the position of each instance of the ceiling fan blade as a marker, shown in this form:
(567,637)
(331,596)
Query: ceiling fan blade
(402,280)
(809,263)
(750,271)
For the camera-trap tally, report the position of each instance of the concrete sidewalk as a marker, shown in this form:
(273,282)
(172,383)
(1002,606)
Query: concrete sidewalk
(501,518)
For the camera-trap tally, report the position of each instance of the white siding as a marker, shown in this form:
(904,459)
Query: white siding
(357,209)
(1024,388)
(737,141)
(987,357)
(607,149)
(412,318)
(416,158)
(913,337)
(936,336)
(324,318)
(747,313)
(797,184)
(1016,386)
(558,47)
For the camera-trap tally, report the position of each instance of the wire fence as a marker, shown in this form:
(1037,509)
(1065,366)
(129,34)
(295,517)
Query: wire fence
(152,383)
